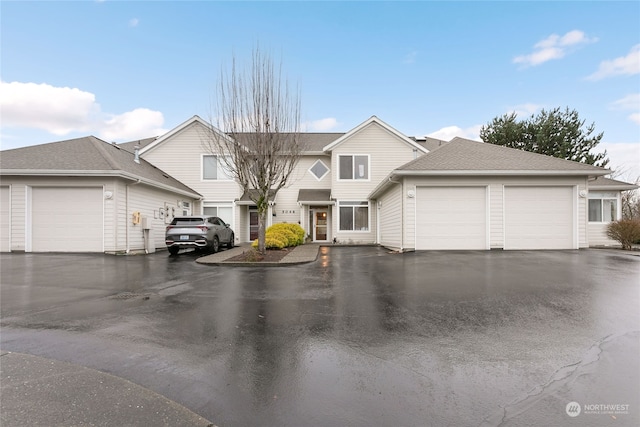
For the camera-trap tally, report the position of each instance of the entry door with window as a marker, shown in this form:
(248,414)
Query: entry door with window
(320,218)
(253,224)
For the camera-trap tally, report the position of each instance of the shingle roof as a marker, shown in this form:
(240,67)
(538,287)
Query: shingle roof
(602,183)
(313,141)
(88,155)
(314,195)
(130,146)
(429,143)
(465,155)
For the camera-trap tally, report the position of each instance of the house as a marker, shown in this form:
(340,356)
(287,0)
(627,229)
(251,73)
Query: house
(85,195)
(370,185)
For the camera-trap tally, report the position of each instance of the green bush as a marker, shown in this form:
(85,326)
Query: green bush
(625,231)
(282,235)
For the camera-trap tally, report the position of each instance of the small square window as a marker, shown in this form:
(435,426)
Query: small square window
(319,170)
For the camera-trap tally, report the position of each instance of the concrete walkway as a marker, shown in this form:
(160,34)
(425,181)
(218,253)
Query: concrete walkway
(298,255)
(42,392)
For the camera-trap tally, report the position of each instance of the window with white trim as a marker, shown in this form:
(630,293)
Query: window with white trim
(353,215)
(221,210)
(319,170)
(352,167)
(214,168)
(603,206)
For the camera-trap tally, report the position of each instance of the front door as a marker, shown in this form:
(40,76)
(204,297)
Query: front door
(253,225)
(320,225)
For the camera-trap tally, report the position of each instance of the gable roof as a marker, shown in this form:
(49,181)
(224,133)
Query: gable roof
(602,183)
(464,156)
(366,123)
(87,156)
(461,157)
(176,130)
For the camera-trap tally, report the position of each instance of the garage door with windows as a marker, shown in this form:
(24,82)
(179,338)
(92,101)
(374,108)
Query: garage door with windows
(451,218)
(67,219)
(539,218)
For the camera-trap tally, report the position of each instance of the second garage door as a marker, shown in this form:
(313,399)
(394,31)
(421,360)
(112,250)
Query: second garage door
(539,218)
(66,219)
(451,218)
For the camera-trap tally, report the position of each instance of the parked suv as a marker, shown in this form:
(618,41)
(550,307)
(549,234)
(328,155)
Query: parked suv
(201,232)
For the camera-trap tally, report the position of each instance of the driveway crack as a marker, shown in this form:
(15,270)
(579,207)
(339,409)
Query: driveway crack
(559,378)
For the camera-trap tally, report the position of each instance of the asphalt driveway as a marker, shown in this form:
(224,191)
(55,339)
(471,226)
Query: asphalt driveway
(360,337)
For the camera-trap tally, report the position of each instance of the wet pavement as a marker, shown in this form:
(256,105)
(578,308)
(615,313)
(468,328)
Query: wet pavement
(359,337)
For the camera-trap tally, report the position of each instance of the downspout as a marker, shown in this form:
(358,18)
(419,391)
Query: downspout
(126,218)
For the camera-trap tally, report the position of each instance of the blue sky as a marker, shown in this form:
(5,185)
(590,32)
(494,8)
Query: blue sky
(125,70)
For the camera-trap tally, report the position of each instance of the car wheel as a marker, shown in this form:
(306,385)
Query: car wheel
(215,245)
(232,240)
(173,250)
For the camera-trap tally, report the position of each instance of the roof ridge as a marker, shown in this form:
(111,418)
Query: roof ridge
(97,143)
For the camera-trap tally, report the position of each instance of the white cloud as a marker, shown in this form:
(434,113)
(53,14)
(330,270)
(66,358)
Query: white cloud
(450,132)
(410,58)
(322,125)
(630,102)
(624,158)
(623,65)
(134,22)
(526,109)
(554,47)
(63,110)
(136,124)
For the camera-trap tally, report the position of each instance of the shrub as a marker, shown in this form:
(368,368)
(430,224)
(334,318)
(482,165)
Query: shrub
(625,231)
(282,235)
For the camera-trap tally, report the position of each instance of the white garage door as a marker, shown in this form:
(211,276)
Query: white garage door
(451,218)
(539,218)
(5,224)
(66,219)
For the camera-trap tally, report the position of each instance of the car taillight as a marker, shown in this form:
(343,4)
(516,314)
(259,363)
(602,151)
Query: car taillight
(202,227)
(169,227)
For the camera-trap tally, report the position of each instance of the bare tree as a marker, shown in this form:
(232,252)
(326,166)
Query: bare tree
(260,144)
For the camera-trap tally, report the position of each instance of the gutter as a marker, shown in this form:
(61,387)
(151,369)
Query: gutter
(108,173)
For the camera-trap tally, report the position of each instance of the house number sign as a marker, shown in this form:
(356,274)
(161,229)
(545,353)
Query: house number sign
(288,212)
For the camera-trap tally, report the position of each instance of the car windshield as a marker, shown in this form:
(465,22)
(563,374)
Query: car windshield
(187,221)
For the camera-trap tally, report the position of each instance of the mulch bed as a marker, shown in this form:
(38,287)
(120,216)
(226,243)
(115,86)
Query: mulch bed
(272,255)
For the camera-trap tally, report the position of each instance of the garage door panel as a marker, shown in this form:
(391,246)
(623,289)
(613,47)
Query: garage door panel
(539,218)
(451,218)
(67,219)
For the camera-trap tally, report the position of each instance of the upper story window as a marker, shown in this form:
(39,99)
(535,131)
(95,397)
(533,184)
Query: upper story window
(603,206)
(319,170)
(214,168)
(353,167)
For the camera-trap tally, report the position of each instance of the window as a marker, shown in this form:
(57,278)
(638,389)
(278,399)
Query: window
(319,170)
(214,168)
(225,212)
(354,216)
(354,167)
(603,206)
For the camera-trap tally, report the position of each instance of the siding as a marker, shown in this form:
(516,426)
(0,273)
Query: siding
(390,218)
(598,235)
(117,218)
(386,152)
(496,202)
(181,157)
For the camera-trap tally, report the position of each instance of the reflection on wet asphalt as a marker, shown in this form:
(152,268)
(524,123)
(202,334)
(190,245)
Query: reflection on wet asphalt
(359,337)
